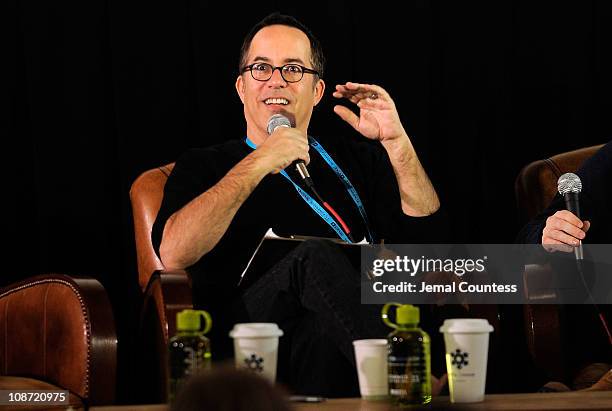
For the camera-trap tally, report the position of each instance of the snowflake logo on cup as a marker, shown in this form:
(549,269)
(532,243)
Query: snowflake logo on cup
(459,358)
(254,362)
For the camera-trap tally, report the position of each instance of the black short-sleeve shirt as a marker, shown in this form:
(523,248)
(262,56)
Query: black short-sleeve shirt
(276,204)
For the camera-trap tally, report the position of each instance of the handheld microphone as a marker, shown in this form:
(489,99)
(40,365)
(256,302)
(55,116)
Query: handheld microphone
(570,186)
(279,120)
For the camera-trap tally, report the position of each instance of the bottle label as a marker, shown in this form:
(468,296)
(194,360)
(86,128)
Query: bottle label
(186,358)
(406,374)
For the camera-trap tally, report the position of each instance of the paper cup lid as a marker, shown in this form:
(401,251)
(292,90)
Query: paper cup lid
(466,326)
(255,330)
(371,342)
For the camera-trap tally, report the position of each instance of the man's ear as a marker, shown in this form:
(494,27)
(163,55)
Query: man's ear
(318,91)
(240,88)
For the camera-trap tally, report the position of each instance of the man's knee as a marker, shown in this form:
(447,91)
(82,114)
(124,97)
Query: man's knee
(322,257)
(325,264)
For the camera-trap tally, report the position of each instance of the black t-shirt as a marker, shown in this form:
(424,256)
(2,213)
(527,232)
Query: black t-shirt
(276,204)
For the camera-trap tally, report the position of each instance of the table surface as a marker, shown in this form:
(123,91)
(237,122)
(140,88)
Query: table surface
(567,401)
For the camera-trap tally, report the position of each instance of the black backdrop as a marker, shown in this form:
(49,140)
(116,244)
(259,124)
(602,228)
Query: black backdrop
(98,91)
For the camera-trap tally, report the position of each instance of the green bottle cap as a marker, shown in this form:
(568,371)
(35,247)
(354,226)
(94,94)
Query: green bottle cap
(405,314)
(189,320)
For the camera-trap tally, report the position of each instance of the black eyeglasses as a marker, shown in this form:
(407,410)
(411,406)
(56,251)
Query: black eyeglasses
(291,73)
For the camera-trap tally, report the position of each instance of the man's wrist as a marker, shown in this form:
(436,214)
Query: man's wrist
(258,164)
(399,148)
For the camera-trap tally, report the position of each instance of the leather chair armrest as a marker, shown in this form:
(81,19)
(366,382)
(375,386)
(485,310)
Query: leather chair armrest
(167,293)
(543,322)
(60,329)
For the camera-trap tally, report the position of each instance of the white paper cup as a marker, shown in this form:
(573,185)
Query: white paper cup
(371,360)
(256,347)
(467,350)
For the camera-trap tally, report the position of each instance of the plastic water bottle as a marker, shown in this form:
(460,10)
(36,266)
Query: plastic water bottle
(409,358)
(189,350)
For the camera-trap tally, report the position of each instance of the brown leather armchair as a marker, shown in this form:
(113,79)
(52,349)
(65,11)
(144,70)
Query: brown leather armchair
(535,187)
(58,332)
(165,292)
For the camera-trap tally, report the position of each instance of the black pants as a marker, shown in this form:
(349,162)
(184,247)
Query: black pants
(313,294)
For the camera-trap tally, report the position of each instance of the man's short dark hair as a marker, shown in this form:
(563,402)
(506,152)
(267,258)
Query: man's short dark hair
(316,51)
(228,388)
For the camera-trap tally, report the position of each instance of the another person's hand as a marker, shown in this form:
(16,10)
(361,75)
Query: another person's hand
(563,231)
(378,118)
(282,148)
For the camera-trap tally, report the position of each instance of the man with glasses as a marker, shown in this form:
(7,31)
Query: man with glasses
(220,201)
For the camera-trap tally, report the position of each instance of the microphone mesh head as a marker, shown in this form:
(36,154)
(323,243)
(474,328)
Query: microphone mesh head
(569,183)
(277,120)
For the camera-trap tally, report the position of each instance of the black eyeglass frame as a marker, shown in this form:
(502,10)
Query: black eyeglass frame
(280,68)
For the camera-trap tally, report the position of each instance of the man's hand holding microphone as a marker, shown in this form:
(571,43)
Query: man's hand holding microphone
(285,144)
(565,230)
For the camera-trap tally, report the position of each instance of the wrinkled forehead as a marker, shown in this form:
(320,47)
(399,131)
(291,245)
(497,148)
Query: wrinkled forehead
(280,45)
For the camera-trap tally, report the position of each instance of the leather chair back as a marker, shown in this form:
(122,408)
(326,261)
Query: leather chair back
(60,330)
(165,292)
(536,184)
(146,195)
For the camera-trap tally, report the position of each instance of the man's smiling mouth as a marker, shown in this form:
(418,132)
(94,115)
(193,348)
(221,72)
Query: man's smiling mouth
(282,101)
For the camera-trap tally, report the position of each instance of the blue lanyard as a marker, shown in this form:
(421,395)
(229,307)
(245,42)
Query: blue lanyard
(347,184)
(314,205)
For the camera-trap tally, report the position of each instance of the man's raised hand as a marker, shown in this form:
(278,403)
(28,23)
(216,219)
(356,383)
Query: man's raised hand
(378,118)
